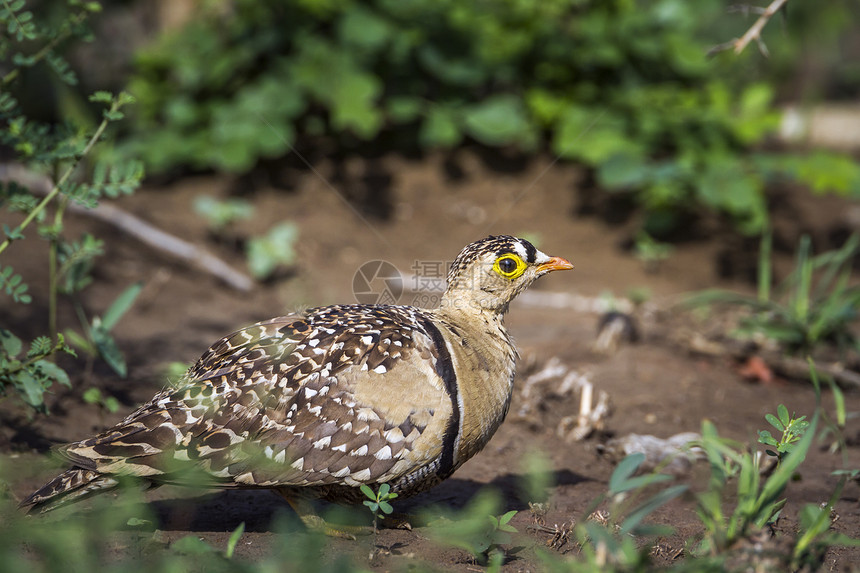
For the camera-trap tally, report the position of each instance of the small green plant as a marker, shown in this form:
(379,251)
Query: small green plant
(792,430)
(614,541)
(272,250)
(378,502)
(220,214)
(650,252)
(758,504)
(94,396)
(802,312)
(476,528)
(815,536)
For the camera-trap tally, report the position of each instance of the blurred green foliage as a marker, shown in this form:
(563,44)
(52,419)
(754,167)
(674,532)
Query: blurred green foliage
(623,86)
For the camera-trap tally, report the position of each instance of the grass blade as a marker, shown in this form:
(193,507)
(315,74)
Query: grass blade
(764,268)
(234,540)
(800,302)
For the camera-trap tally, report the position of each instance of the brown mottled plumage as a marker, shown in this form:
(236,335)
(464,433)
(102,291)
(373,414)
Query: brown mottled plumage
(316,404)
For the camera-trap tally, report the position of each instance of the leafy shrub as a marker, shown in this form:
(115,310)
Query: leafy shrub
(624,87)
(62,150)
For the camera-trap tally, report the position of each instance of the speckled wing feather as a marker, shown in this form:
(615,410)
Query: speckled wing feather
(317,400)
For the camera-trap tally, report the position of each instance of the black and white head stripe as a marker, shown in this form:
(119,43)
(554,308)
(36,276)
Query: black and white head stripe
(498,245)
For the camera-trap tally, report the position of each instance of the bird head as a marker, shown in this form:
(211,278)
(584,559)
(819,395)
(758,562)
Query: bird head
(488,274)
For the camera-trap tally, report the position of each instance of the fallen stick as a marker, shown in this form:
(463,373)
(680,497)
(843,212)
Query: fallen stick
(138,228)
(788,366)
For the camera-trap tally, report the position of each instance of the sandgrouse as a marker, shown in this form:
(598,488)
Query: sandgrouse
(314,405)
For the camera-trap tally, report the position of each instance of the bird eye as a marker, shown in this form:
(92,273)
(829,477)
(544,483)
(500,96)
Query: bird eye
(509,266)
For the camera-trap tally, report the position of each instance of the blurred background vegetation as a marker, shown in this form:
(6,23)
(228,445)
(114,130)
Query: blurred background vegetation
(626,88)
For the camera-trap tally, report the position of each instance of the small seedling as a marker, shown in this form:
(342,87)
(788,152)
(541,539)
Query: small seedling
(650,252)
(273,250)
(378,501)
(94,396)
(477,529)
(220,214)
(792,430)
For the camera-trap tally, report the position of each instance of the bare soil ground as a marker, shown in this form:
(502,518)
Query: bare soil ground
(407,211)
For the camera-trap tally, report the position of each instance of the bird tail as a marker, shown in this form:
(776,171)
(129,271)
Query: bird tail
(70,486)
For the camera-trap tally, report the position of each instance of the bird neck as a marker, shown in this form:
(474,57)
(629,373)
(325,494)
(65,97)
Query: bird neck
(469,302)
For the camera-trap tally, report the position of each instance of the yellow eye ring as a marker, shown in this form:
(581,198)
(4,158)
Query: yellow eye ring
(510,266)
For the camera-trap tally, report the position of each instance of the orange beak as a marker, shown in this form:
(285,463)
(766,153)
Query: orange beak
(555,264)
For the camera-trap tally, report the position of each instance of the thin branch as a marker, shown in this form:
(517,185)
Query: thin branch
(138,228)
(56,188)
(754,33)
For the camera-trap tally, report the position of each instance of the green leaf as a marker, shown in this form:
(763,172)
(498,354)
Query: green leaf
(782,411)
(354,106)
(362,29)
(80,342)
(120,306)
(92,396)
(107,348)
(765,437)
(404,109)
(592,135)
(53,372)
(367,491)
(635,517)
(623,171)
(505,519)
(11,344)
(619,480)
(838,402)
(101,97)
(30,387)
(775,422)
(499,120)
(440,128)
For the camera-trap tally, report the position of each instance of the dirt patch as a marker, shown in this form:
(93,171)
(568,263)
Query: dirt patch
(424,212)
